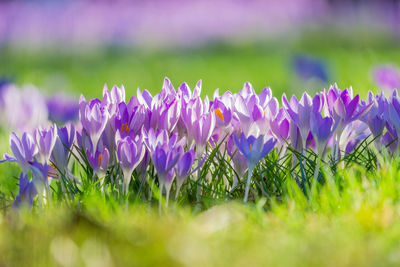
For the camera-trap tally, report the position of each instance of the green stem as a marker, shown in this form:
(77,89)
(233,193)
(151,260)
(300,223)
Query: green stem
(249,173)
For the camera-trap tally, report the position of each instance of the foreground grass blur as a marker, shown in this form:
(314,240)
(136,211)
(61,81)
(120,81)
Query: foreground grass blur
(352,223)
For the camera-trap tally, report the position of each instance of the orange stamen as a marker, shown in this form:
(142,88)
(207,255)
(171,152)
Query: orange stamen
(100,159)
(219,114)
(250,147)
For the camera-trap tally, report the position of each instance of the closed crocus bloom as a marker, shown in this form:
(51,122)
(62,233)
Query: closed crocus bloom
(394,110)
(183,168)
(375,117)
(27,192)
(94,117)
(130,153)
(253,149)
(165,159)
(322,129)
(45,140)
(390,139)
(62,146)
(24,151)
(300,111)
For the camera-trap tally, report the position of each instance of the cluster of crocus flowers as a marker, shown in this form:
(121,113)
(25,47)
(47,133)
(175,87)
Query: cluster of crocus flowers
(34,108)
(173,132)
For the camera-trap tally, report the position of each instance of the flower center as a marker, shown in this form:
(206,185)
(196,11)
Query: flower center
(219,114)
(100,159)
(125,127)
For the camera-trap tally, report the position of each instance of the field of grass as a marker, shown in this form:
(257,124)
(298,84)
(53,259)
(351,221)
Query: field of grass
(353,219)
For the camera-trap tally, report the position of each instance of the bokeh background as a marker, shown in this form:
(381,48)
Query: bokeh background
(76,47)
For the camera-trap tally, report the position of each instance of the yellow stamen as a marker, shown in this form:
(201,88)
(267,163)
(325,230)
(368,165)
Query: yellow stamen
(265,113)
(23,197)
(250,147)
(100,159)
(219,114)
(125,127)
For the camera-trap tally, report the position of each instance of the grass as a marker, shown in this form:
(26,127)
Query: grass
(351,219)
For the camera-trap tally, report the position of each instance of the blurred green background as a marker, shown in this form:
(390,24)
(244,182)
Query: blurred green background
(220,65)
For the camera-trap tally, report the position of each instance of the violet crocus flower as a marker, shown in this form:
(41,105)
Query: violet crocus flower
(63,146)
(183,168)
(253,149)
(394,110)
(377,115)
(322,129)
(308,68)
(390,139)
(45,140)
(24,151)
(99,162)
(238,160)
(130,153)
(94,117)
(300,112)
(27,191)
(130,118)
(199,122)
(111,99)
(387,77)
(62,108)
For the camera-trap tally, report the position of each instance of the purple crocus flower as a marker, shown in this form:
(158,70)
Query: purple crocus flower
(253,149)
(377,115)
(322,129)
(62,108)
(307,67)
(94,117)
(99,162)
(238,160)
(343,107)
(387,77)
(24,151)
(130,118)
(200,123)
(45,140)
(27,191)
(300,112)
(111,99)
(130,153)
(183,167)
(390,139)
(63,146)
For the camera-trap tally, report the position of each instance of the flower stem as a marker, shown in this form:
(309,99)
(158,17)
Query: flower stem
(249,173)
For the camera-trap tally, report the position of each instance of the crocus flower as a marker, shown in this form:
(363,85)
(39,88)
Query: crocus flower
(387,77)
(62,108)
(94,117)
(183,167)
(322,129)
(62,146)
(307,68)
(300,112)
(111,99)
(253,149)
(24,151)
(130,153)
(99,161)
(390,139)
(45,140)
(375,117)
(27,192)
